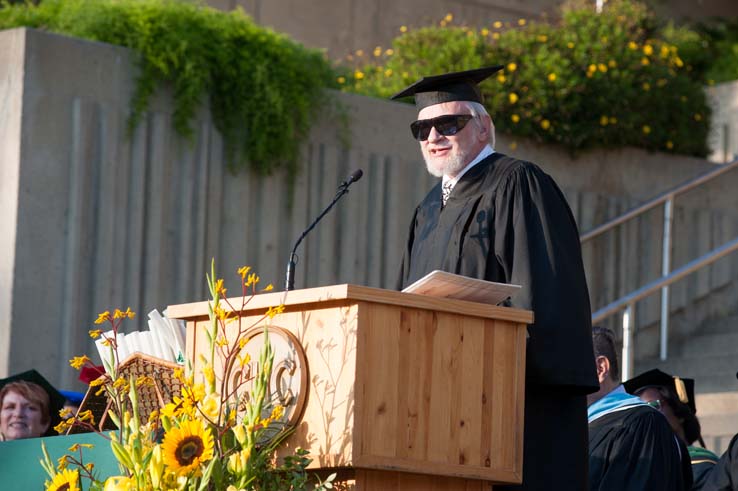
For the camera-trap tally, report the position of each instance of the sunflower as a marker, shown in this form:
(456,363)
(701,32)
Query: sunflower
(187,447)
(66,480)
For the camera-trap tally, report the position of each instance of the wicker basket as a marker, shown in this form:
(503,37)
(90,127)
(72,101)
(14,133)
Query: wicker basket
(150,396)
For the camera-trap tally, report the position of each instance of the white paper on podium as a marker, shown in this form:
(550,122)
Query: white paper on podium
(449,285)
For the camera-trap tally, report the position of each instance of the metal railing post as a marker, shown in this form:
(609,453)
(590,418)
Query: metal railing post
(628,321)
(665,270)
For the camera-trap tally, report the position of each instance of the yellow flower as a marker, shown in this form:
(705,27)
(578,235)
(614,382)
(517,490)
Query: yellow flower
(66,480)
(268,288)
(646,86)
(403,28)
(79,361)
(209,374)
(484,32)
(389,52)
(95,333)
(449,17)
(245,360)
(63,426)
(669,144)
(698,117)
(612,63)
(545,124)
(341,80)
(513,97)
(664,52)
(648,50)
(219,287)
(603,120)
(277,413)
(495,35)
(551,77)
(602,67)
(273,311)
(501,78)
(253,279)
(239,431)
(388,72)
(570,45)
(592,68)
(633,46)
(613,120)
(244,270)
(511,67)
(210,407)
(187,447)
(515,118)
(119,483)
(645,61)
(497,24)
(86,416)
(678,62)
(119,314)
(646,129)
(521,22)
(542,38)
(238,462)
(359,52)
(102,317)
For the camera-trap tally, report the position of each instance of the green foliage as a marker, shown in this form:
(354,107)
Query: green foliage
(592,80)
(263,88)
(722,40)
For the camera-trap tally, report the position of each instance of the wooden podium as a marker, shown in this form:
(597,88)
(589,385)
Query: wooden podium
(397,391)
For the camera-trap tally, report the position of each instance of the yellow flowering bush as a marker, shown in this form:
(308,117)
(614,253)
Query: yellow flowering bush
(590,80)
(220,433)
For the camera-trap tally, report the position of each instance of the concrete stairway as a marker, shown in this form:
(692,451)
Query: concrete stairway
(710,356)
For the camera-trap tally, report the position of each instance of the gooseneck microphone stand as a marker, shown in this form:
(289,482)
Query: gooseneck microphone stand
(342,189)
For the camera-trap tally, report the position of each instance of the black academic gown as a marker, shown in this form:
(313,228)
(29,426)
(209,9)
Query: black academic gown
(724,475)
(703,462)
(635,450)
(507,221)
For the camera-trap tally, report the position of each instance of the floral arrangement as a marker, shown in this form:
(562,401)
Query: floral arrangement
(219,433)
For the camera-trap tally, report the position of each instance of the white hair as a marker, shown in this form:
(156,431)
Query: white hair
(478,111)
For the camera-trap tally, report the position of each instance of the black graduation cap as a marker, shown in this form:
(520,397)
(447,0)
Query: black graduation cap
(56,400)
(683,388)
(455,86)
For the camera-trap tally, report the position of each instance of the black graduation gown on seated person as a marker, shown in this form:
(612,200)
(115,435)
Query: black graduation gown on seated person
(724,475)
(507,221)
(635,450)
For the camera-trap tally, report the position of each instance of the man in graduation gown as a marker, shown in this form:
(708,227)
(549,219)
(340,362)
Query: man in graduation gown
(501,219)
(631,444)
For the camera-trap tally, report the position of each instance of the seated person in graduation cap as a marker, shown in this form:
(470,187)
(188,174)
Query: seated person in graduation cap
(674,397)
(631,445)
(29,406)
(498,218)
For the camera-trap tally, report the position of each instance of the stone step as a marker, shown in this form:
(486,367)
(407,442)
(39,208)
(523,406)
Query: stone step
(713,373)
(727,324)
(718,415)
(709,344)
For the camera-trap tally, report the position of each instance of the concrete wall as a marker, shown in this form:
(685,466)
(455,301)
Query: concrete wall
(724,131)
(344,26)
(107,221)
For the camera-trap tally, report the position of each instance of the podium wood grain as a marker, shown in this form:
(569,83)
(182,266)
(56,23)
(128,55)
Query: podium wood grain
(402,387)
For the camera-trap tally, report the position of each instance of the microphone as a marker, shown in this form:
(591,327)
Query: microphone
(342,189)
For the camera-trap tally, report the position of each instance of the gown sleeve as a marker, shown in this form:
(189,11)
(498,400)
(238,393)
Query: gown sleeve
(537,245)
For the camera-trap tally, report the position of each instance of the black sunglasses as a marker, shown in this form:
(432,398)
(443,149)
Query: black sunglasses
(447,125)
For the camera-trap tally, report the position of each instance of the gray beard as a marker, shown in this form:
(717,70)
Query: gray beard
(451,167)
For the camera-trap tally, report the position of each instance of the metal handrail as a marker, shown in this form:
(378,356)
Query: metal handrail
(628,302)
(662,198)
(667,199)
